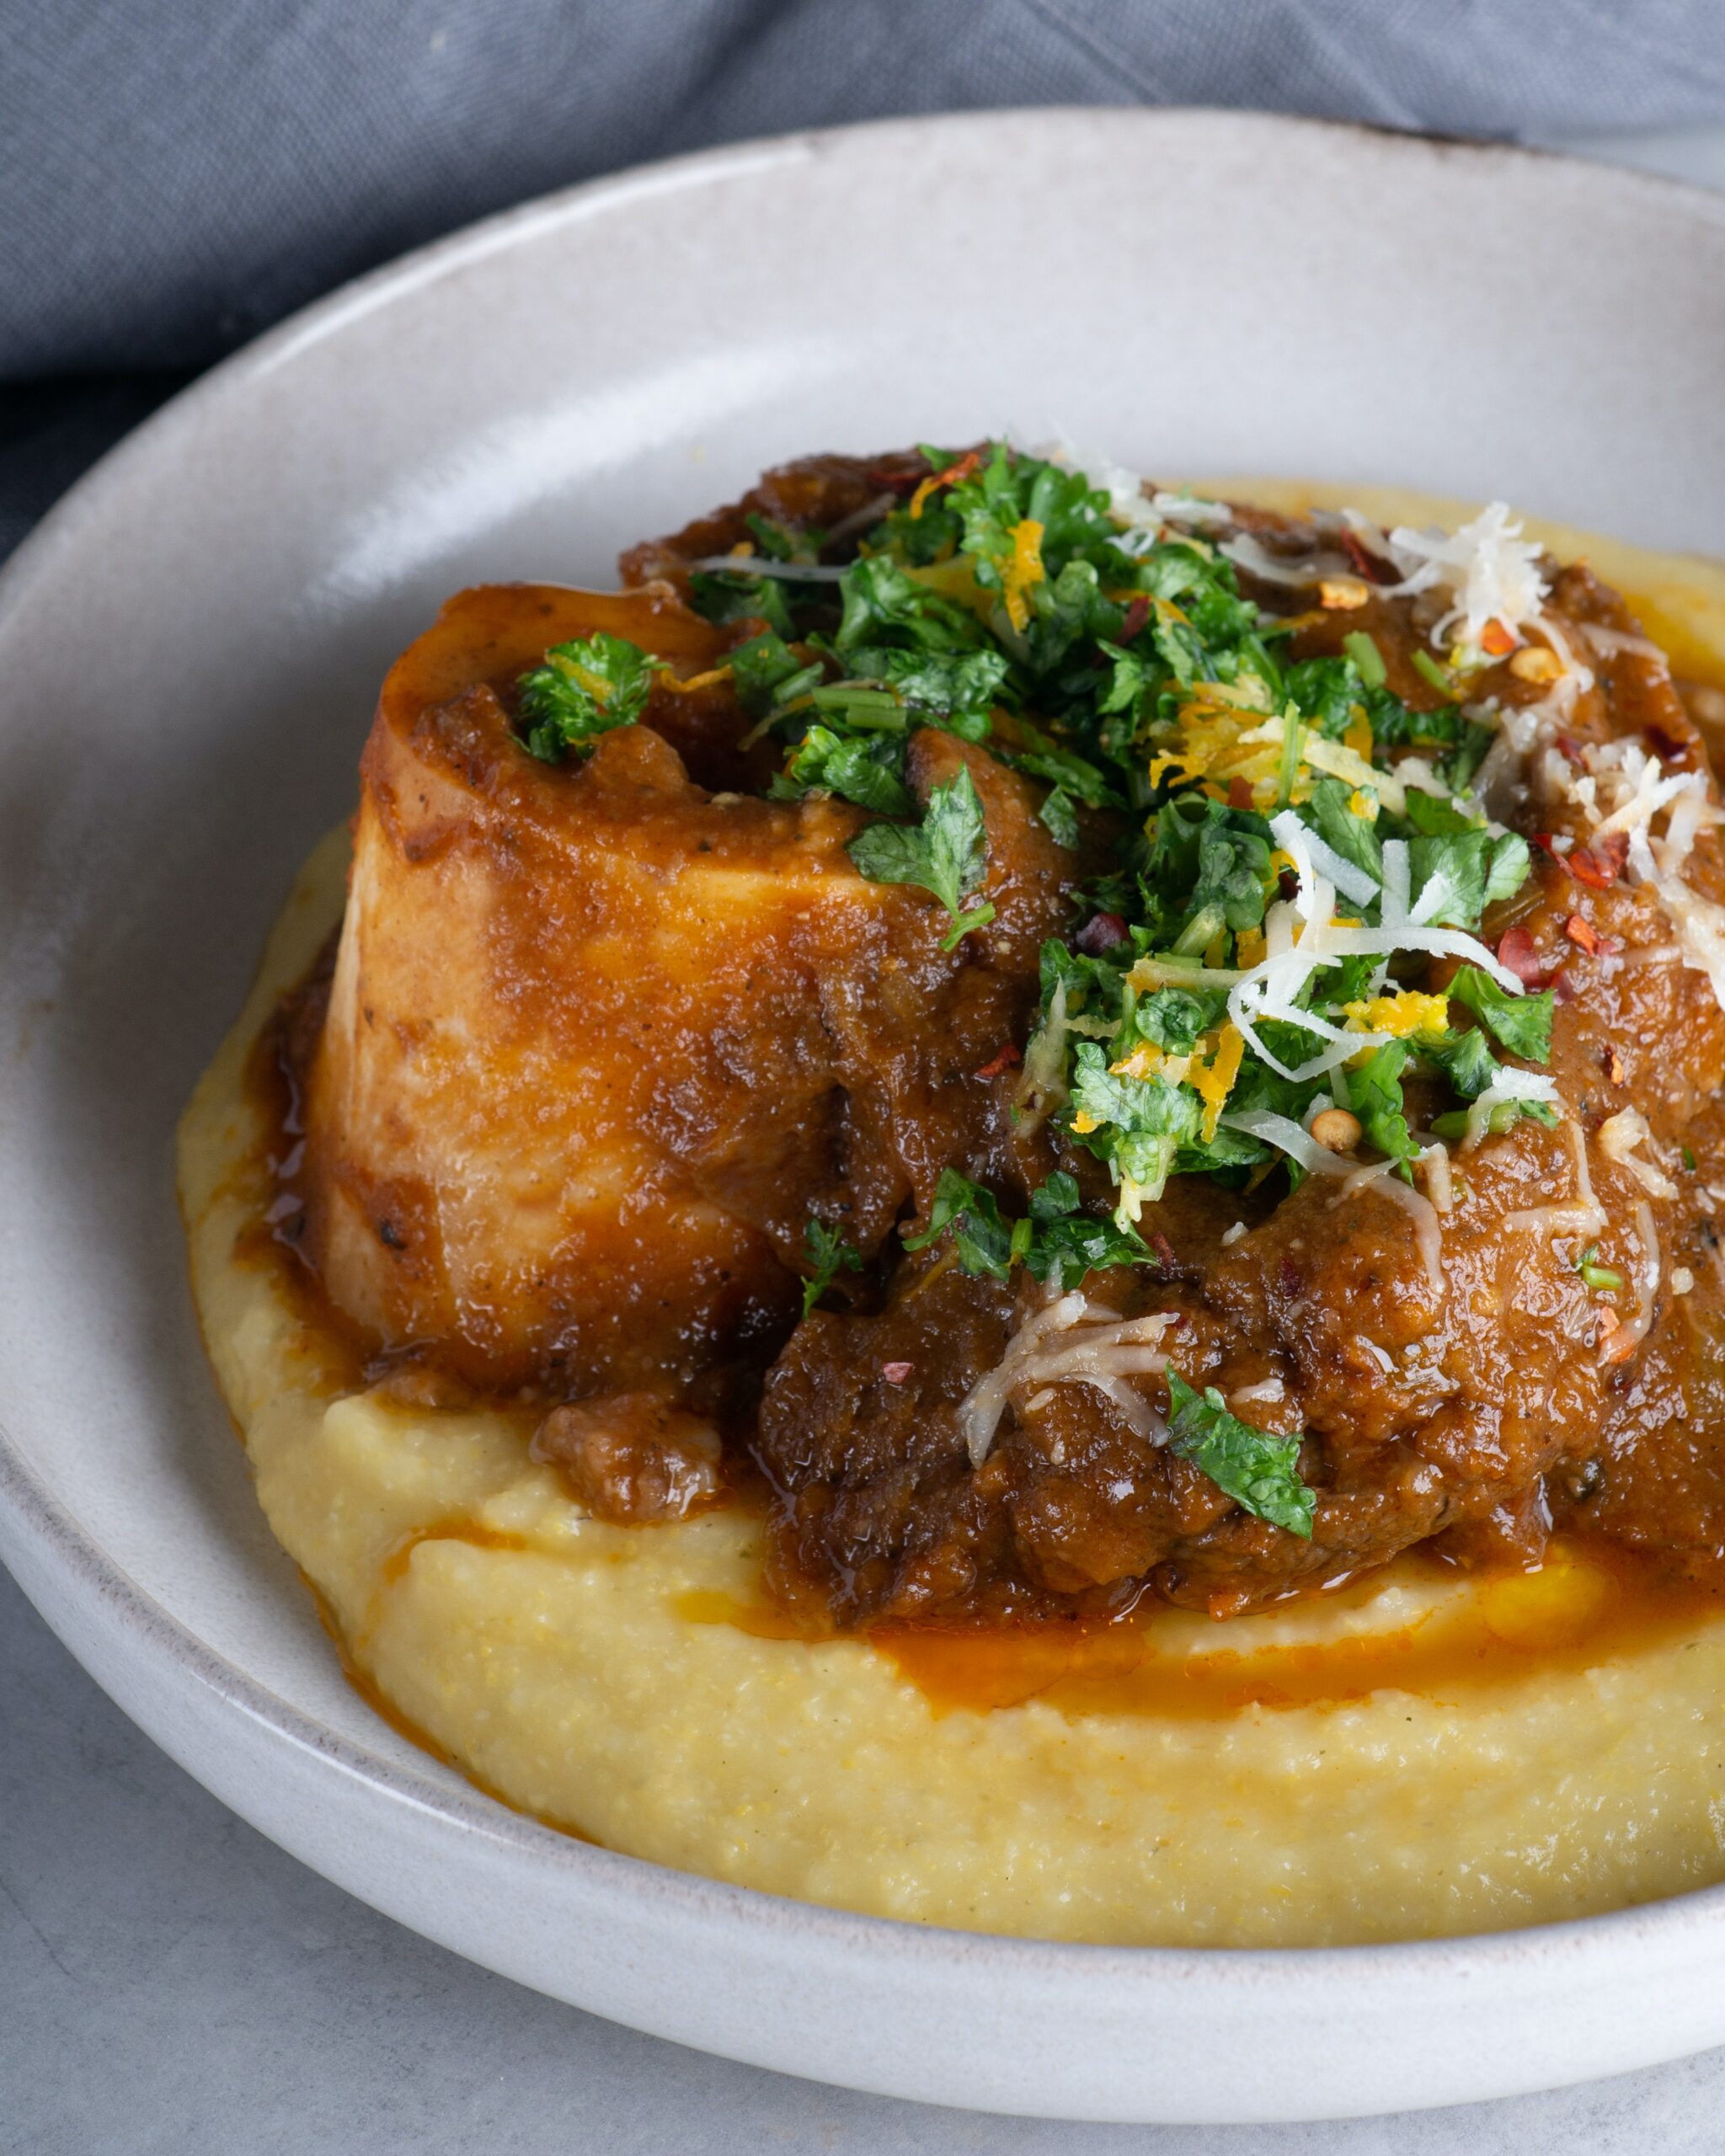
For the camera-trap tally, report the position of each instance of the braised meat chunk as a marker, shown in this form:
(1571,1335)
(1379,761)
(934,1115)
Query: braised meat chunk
(1103,1043)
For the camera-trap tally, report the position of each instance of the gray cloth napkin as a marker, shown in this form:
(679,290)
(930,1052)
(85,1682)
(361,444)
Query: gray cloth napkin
(177,175)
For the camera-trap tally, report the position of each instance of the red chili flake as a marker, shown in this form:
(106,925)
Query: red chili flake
(1612,1064)
(1239,792)
(1288,884)
(1599,866)
(1516,950)
(1669,747)
(1561,987)
(1100,933)
(1547,844)
(1367,563)
(1137,614)
(1568,748)
(1496,639)
(1581,934)
(1007,1058)
(1164,1250)
(1287,1278)
(896,1372)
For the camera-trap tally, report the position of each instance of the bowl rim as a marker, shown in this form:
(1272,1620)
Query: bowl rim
(1657,1927)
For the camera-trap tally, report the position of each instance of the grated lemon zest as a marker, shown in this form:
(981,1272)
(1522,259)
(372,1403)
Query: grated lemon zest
(1213,1078)
(1404,1015)
(1023,570)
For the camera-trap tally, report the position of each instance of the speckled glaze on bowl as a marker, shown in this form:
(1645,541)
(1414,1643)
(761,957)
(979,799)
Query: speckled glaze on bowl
(189,651)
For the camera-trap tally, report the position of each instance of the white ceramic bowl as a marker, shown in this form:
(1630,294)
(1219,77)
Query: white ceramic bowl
(189,650)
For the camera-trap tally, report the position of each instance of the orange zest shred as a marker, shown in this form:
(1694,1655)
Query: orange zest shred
(684,683)
(960,469)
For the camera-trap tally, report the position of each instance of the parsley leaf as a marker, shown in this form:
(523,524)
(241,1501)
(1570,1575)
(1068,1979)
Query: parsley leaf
(1456,875)
(1065,1243)
(1258,1472)
(1522,1022)
(1374,1095)
(945,854)
(1511,864)
(1137,1125)
(723,596)
(867,771)
(885,606)
(1059,817)
(1449,877)
(1057,1241)
(828,1252)
(764,670)
(1465,1060)
(1355,838)
(983,1239)
(580,690)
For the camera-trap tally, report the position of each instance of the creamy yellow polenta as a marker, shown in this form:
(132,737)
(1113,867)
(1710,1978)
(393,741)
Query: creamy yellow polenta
(585,1672)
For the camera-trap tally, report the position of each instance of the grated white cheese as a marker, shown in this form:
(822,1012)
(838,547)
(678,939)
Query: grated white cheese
(1608,642)
(1490,570)
(1585,1217)
(1070,1340)
(1435,1159)
(1617,1345)
(1620,790)
(1248,553)
(1620,1136)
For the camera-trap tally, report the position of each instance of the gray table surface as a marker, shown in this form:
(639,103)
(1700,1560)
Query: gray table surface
(171,1981)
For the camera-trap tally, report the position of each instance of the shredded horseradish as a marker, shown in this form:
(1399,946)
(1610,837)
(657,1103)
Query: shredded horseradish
(1620,791)
(1585,1217)
(1071,1341)
(1620,1137)
(1622,1343)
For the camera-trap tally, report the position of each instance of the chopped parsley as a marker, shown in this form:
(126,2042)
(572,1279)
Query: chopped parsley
(945,854)
(1258,1472)
(580,690)
(1057,1240)
(828,1254)
(1522,1022)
